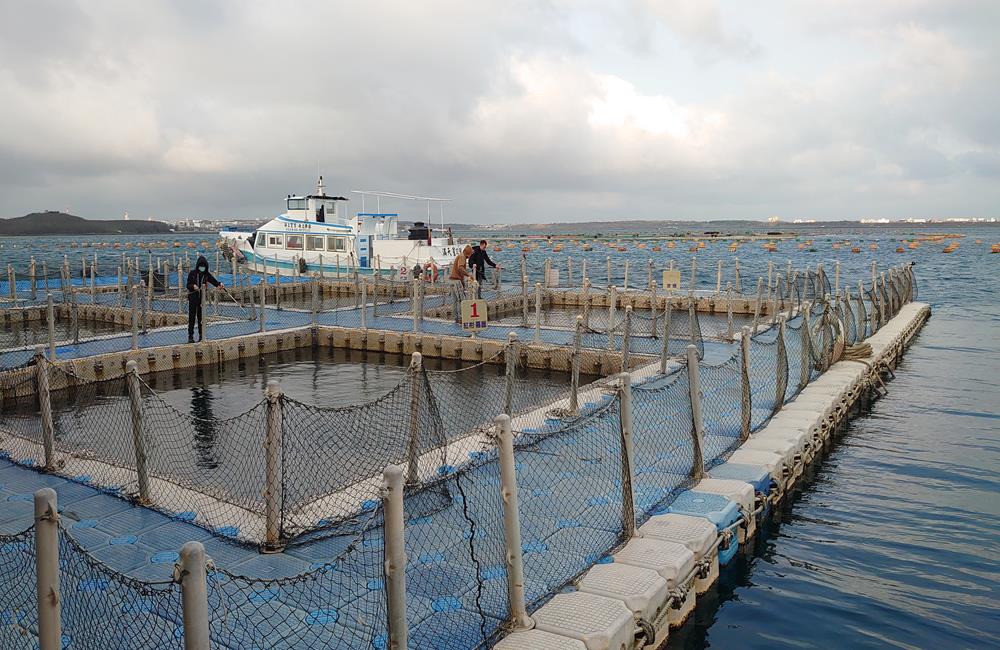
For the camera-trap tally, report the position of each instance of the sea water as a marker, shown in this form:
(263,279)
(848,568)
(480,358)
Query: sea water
(893,542)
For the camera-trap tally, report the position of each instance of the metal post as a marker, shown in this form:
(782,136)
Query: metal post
(757,304)
(395,556)
(510,371)
(190,571)
(273,485)
(511,526)
(45,407)
(11,283)
(93,285)
(34,279)
(774,301)
(546,272)
(718,278)
(180,287)
(538,312)
(625,278)
(47,570)
(413,446)
(627,339)
(736,271)
(50,319)
(574,377)
(874,273)
(836,276)
(612,313)
(413,304)
(694,272)
(746,406)
(314,299)
(607,262)
(770,275)
(586,302)
(653,308)
(692,319)
(698,427)
(628,456)
(569,271)
(729,311)
(665,349)
(138,444)
(135,318)
(364,305)
(583,270)
(74,316)
(524,299)
(649,271)
(277,283)
(805,360)
(263,303)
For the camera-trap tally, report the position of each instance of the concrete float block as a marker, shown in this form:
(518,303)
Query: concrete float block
(601,623)
(644,592)
(696,533)
(674,562)
(451,348)
(538,640)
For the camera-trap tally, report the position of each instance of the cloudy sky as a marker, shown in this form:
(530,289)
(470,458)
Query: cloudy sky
(520,111)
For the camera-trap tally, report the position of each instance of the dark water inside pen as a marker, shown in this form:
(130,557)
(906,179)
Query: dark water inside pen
(894,540)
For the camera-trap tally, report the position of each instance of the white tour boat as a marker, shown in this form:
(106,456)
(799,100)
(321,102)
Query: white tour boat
(315,235)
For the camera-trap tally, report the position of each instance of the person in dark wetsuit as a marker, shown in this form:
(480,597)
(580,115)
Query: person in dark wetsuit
(479,260)
(197,278)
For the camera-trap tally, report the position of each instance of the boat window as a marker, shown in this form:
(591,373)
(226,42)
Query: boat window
(275,241)
(296,204)
(293,242)
(314,242)
(336,244)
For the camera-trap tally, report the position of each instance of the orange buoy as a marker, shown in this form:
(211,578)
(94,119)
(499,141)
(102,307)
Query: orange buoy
(670,244)
(855,250)
(900,249)
(995,249)
(656,249)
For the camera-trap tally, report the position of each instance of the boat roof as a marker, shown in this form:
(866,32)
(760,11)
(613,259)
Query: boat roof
(319,196)
(378,214)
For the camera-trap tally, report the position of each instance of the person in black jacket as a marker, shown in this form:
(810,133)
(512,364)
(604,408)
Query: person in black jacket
(479,259)
(198,277)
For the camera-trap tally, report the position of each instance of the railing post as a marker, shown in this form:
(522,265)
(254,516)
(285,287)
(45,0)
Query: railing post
(746,403)
(364,305)
(134,315)
(627,339)
(781,369)
(574,377)
(718,279)
(547,271)
(273,495)
(93,285)
(524,299)
(653,308)
(694,273)
(47,570)
(180,287)
(510,371)
(263,303)
(628,455)
(512,526)
(190,571)
(138,441)
(607,263)
(729,311)
(569,271)
(314,300)
(805,360)
(612,309)
(774,300)
(665,348)
(413,443)
(836,276)
(538,312)
(649,271)
(11,283)
(395,556)
(757,304)
(586,302)
(583,270)
(736,272)
(50,319)
(692,319)
(625,277)
(34,279)
(74,316)
(698,426)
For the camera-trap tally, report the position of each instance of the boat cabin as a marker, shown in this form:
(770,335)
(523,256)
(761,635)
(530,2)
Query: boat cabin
(317,207)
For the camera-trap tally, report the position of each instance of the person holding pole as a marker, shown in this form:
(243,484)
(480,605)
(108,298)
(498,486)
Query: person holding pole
(478,260)
(197,278)
(457,280)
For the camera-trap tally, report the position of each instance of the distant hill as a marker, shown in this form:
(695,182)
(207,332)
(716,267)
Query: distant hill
(60,223)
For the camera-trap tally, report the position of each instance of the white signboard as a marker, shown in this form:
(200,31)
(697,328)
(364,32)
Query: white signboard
(672,279)
(474,316)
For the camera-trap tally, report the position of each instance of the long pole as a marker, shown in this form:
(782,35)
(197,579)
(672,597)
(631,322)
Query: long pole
(47,569)
(395,556)
(628,456)
(273,468)
(413,444)
(698,426)
(511,525)
(193,577)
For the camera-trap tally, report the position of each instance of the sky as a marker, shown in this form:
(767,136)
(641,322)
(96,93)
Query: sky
(520,112)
